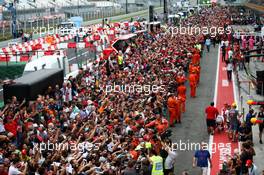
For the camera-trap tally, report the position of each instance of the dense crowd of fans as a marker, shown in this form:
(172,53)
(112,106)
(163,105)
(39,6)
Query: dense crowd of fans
(93,126)
(237,53)
(241,162)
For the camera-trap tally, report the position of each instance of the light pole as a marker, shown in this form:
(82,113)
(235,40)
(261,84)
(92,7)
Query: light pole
(198,5)
(78,3)
(165,10)
(126,7)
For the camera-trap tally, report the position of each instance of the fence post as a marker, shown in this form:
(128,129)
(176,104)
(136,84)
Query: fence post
(243,112)
(3,30)
(249,88)
(241,102)
(6,60)
(11,27)
(25,25)
(18,26)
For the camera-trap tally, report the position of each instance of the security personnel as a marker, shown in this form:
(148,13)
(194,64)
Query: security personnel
(178,109)
(156,162)
(193,83)
(196,58)
(120,60)
(172,107)
(180,79)
(182,95)
(197,69)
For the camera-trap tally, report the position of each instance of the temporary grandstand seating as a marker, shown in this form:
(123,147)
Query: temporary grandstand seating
(258,2)
(256,5)
(33,4)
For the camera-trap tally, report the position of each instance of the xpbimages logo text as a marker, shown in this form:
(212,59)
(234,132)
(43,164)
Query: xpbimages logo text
(134,88)
(181,145)
(81,147)
(50,30)
(195,30)
(223,148)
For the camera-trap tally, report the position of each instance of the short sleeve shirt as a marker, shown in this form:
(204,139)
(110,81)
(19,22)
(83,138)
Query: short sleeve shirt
(202,157)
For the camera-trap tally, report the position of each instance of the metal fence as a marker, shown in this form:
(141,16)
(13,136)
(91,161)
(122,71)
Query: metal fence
(36,18)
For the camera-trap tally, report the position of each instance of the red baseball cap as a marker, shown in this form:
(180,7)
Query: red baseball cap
(249,162)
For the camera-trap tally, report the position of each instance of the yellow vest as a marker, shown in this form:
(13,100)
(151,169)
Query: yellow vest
(120,60)
(199,47)
(148,145)
(157,165)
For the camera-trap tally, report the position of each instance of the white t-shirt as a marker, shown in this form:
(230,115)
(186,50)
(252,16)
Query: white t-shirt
(229,67)
(230,53)
(170,160)
(227,115)
(219,119)
(2,128)
(222,43)
(13,170)
(252,170)
(226,42)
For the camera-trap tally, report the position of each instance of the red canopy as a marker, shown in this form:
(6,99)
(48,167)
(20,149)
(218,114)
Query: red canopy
(107,52)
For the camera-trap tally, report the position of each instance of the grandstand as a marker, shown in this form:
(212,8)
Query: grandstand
(257,5)
(258,2)
(39,4)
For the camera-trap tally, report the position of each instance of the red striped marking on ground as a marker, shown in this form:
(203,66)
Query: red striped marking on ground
(220,144)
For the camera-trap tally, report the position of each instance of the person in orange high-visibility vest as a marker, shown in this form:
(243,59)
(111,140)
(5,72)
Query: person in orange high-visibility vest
(196,58)
(196,70)
(193,83)
(191,68)
(172,107)
(182,95)
(180,79)
(178,110)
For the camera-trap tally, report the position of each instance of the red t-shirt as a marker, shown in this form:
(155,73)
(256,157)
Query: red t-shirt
(211,112)
(11,127)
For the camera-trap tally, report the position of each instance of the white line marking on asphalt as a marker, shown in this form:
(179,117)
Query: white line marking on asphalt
(211,137)
(225,83)
(234,89)
(78,56)
(237,100)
